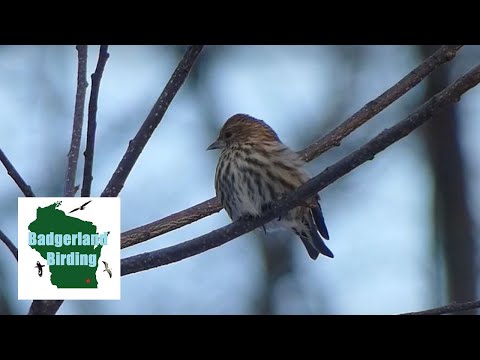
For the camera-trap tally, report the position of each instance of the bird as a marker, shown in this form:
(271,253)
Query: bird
(81,207)
(254,169)
(107,269)
(40,268)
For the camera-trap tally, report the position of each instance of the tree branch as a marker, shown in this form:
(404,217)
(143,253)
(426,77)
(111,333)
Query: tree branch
(9,244)
(92,120)
(333,138)
(169,223)
(70,188)
(386,138)
(453,307)
(26,189)
(135,147)
(50,307)
(45,307)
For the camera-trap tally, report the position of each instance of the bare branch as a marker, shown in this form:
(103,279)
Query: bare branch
(70,188)
(171,222)
(92,120)
(453,307)
(367,152)
(9,244)
(26,190)
(135,146)
(333,138)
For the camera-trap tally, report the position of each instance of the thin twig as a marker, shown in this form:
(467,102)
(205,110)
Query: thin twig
(26,189)
(333,138)
(92,120)
(135,146)
(9,244)
(367,152)
(452,308)
(70,188)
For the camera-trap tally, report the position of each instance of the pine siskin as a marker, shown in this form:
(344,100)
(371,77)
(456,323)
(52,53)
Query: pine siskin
(254,169)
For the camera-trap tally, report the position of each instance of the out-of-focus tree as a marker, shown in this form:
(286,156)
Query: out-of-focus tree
(451,216)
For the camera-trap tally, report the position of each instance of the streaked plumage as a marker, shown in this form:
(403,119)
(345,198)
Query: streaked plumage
(254,169)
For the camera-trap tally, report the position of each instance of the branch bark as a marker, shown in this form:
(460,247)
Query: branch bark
(447,309)
(135,147)
(26,189)
(9,244)
(70,188)
(386,138)
(92,120)
(333,138)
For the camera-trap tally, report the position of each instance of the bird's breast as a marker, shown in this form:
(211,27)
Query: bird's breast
(247,180)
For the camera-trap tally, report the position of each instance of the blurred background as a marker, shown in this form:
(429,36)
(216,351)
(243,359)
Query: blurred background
(403,227)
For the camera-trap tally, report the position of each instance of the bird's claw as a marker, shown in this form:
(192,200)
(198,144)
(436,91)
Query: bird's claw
(247,217)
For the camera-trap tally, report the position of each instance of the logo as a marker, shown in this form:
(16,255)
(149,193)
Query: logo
(68,248)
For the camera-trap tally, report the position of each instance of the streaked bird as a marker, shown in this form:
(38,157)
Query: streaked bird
(107,269)
(254,169)
(82,207)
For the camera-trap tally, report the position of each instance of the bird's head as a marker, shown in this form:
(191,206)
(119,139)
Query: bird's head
(241,129)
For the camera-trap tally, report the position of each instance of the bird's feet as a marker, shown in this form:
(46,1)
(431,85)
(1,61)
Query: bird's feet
(247,217)
(268,206)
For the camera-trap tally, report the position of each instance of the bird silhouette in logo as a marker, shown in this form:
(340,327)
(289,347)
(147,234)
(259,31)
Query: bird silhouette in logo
(81,207)
(39,267)
(107,269)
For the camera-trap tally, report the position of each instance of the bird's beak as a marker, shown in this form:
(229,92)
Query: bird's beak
(218,144)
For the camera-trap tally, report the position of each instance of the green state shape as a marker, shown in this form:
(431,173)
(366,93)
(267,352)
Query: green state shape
(63,276)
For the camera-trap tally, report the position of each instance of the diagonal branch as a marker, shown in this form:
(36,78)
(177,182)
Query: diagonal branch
(453,307)
(92,120)
(70,188)
(135,146)
(333,138)
(169,223)
(367,152)
(26,189)
(9,244)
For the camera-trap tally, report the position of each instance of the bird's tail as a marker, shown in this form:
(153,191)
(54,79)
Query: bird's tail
(310,236)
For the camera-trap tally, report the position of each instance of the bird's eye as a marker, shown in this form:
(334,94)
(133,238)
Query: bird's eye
(228,135)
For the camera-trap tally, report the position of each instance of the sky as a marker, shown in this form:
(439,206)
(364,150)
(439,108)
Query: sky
(378,215)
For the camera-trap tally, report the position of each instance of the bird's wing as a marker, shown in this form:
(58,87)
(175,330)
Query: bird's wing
(89,201)
(109,272)
(104,263)
(320,221)
(74,210)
